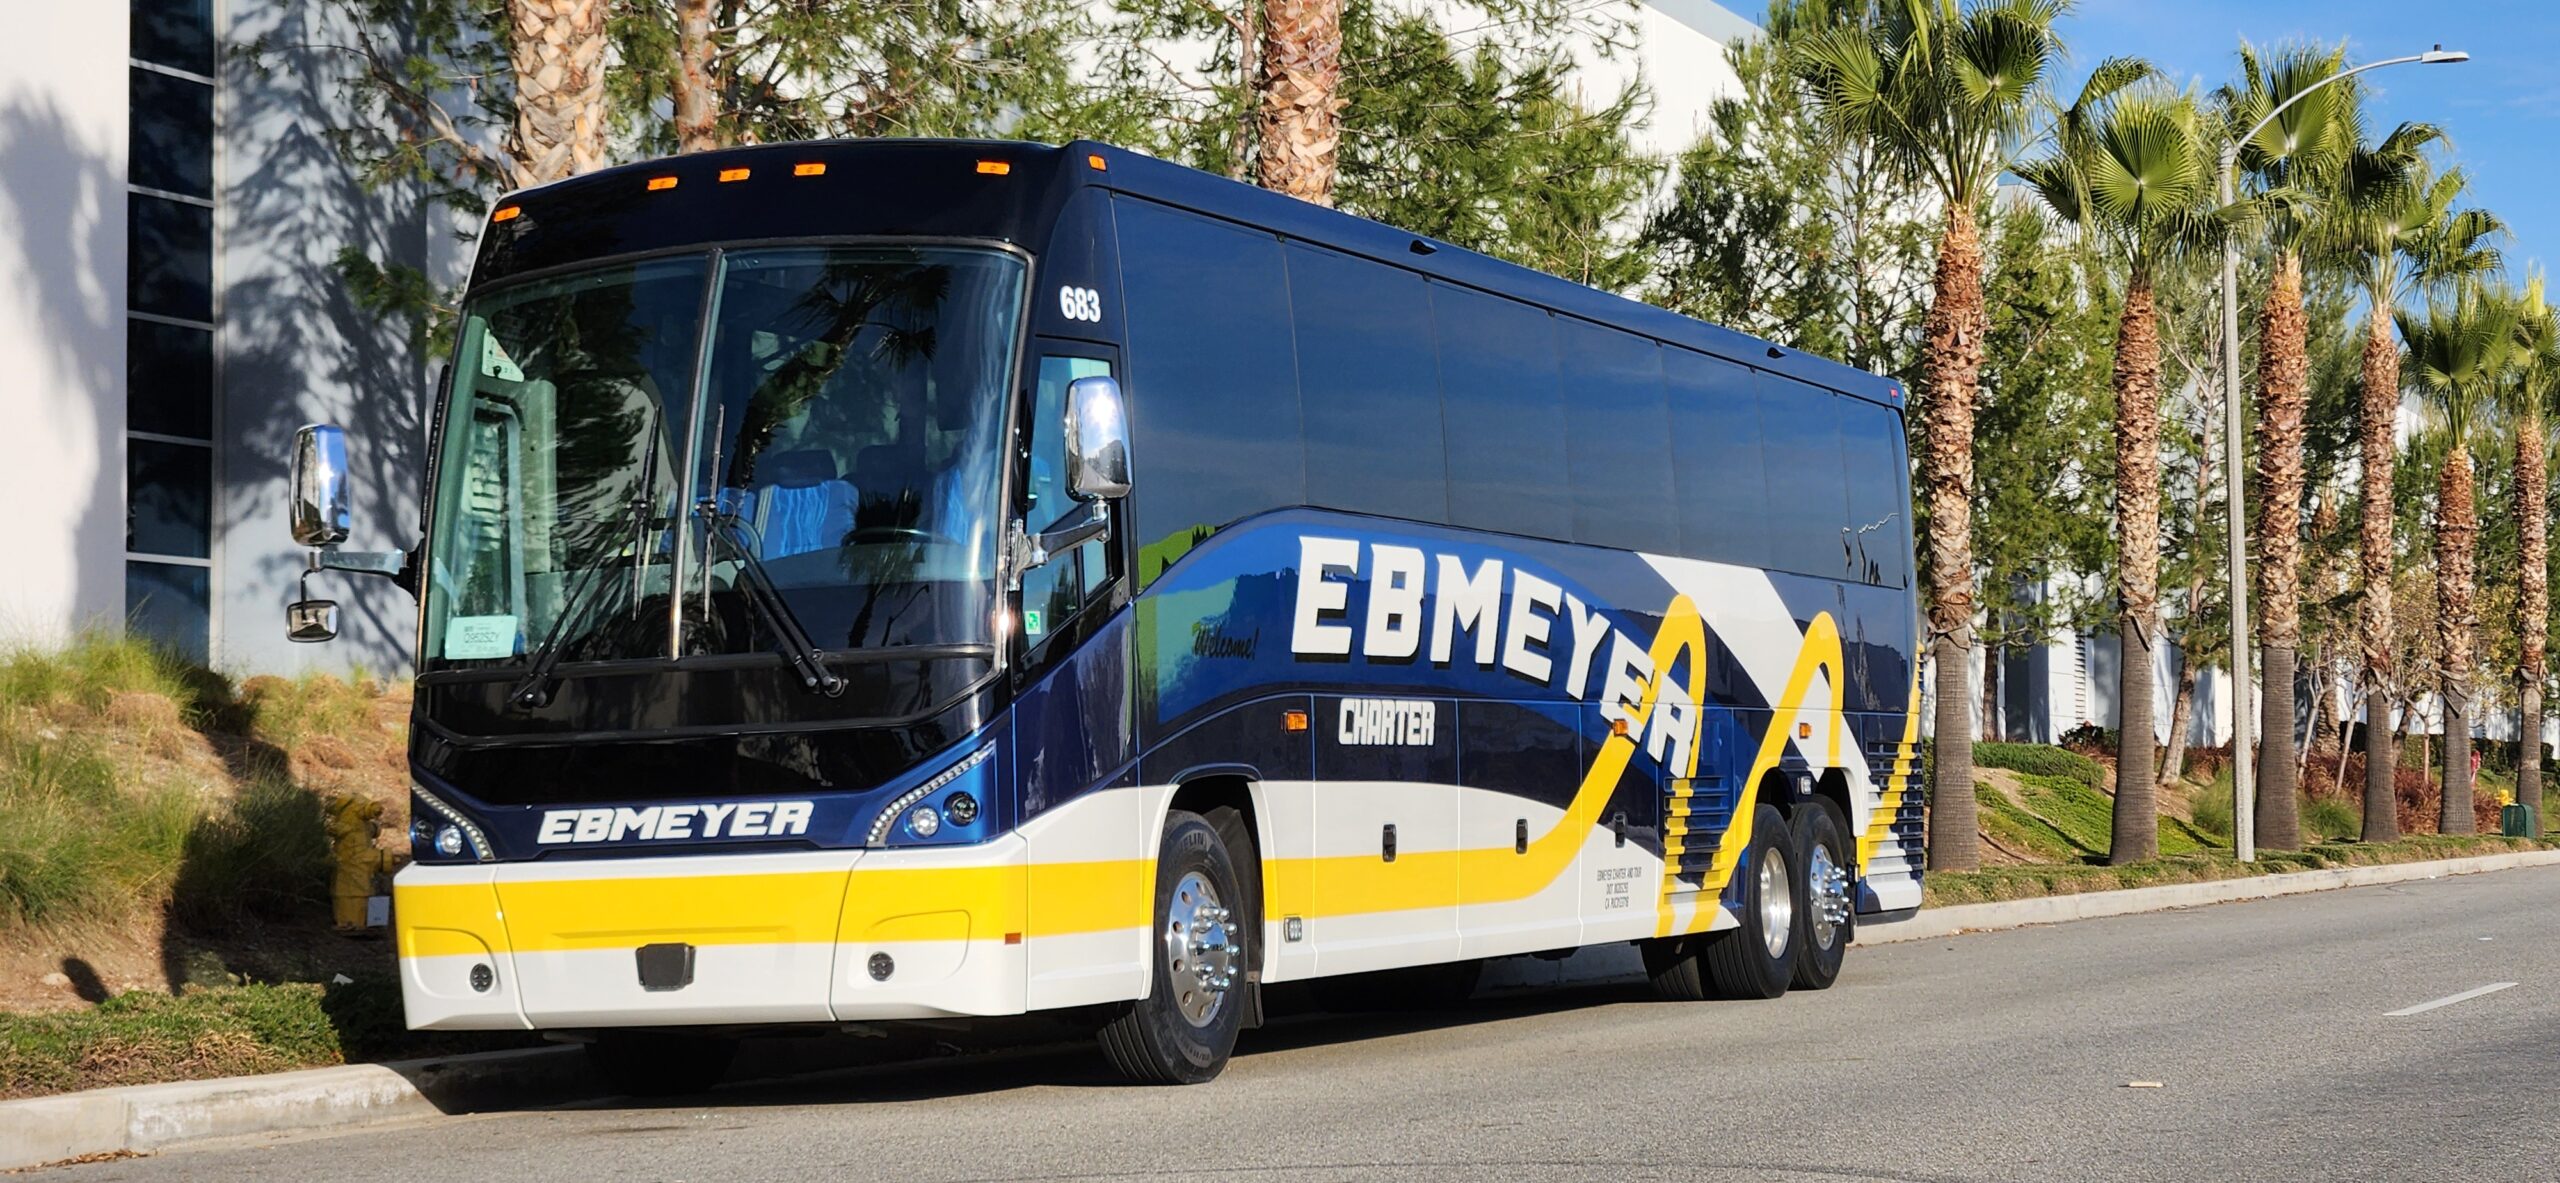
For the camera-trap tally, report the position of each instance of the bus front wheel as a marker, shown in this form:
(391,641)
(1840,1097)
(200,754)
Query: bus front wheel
(1756,959)
(1184,1029)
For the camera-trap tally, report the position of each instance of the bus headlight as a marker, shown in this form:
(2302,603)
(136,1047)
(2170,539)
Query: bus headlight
(924,822)
(449,841)
(961,808)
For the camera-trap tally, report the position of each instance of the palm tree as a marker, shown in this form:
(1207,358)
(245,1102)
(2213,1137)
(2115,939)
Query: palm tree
(1948,95)
(1300,97)
(2536,373)
(2293,161)
(557,49)
(2458,355)
(2381,214)
(2134,171)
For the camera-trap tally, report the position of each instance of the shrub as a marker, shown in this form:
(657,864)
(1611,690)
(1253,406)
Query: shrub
(2210,811)
(2040,760)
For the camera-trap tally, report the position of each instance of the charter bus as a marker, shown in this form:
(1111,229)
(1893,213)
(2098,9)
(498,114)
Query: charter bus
(867,581)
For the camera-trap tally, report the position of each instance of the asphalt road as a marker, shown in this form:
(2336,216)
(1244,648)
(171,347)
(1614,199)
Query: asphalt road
(1992,1056)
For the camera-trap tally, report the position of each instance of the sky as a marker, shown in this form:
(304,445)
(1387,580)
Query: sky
(2501,109)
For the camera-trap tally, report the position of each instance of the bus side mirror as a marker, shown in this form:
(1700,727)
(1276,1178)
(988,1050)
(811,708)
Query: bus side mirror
(1097,440)
(320,516)
(308,621)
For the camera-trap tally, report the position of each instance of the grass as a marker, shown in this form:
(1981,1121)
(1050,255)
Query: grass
(132,783)
(2035,759)
(2064,819)
(145,1037)
(2031,880)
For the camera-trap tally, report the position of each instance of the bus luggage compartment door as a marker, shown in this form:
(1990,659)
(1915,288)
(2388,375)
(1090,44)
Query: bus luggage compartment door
(594,940)
(1386,808)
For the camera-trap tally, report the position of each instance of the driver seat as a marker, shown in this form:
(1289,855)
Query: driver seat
(802,504)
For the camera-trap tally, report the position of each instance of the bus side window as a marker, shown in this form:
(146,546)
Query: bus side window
(1052,593)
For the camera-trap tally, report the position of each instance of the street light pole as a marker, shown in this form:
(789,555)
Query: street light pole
(2244,797)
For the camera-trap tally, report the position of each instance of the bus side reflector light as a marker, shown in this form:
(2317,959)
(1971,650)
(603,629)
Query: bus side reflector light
(1095,162)
(506,213)
(1804,731)
(1013,938)
(811,169)
(732,174)
(995,168)
(657,183)
(1293,721)
(1617,727)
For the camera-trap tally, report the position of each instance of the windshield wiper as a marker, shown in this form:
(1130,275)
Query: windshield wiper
(535,689)
(767,600)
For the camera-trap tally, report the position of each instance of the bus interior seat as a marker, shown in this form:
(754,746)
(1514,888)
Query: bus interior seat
(803,503)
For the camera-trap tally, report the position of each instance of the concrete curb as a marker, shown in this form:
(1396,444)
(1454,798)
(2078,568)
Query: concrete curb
(1933,923)
(151,1117)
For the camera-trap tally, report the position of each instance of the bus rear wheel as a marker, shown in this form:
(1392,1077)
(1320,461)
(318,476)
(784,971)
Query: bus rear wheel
(1185,1028)
(1825,915)
(1757,959)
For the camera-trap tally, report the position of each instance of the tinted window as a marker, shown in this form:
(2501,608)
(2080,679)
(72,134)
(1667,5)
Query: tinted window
(1504,414)
(169,488)
(1715,431)
(1808,501)
(175,33)
(168,379)
(1370,386)
(1618,439)
(172,128)
(169,604)
(1213,378)
(1879,511)
(170,267)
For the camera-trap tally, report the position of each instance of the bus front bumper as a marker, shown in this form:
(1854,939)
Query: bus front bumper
(813,937)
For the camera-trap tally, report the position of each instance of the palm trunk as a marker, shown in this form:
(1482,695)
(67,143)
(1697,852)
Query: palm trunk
(2457,529)
(697,102)
(557,51)
(1953,364)
(2376,421)
(2533,529)
(2136,834)
(1301,99)
(2182,713)
(1991,721)
(2284,390)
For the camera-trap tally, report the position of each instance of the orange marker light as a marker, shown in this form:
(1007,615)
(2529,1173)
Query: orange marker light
(732,174)
(506,213)
(995,168)
(1293,721)
(1013,938)
(1617,727)
(657,183)
(1095,161)
(812,169)
(1804,731)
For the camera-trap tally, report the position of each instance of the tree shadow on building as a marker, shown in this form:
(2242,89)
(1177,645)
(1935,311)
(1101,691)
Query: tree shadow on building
(62,249)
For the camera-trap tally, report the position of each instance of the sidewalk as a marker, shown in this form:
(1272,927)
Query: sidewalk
(146,1118)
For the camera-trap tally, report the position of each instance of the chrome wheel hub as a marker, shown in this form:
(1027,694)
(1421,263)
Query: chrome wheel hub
(1777,903)
(1199,949)
(1830,903)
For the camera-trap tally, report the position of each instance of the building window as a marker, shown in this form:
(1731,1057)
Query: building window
(170,419)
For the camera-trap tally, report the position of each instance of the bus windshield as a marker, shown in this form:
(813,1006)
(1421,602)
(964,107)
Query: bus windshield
(629,448)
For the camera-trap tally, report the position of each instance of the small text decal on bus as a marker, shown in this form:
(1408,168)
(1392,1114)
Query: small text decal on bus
(1392,722)
(743,819)
(1080,304)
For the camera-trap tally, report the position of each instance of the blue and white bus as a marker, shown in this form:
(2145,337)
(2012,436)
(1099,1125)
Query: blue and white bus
(900,580)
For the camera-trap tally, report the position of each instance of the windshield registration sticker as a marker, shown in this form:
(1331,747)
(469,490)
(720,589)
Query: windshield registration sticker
(479,638)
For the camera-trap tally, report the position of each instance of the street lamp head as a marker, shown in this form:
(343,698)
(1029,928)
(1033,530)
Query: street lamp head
(2440,55)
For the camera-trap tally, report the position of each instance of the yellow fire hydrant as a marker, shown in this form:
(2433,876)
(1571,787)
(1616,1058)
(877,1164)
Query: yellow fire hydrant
(353,823)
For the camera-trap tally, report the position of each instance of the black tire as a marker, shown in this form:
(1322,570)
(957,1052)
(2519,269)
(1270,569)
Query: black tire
(1736,963)
(1409,989)
(660,1063)
(1154,1040)
(1821,841)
